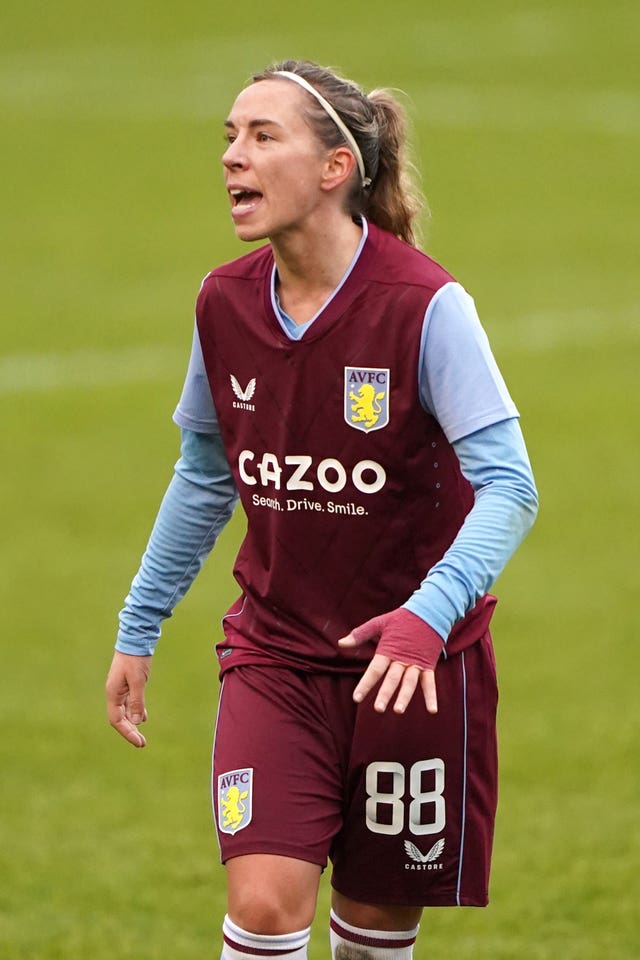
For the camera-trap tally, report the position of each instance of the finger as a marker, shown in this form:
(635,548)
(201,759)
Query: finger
(134,704)
(130,733)
(143,718)
(370,630)
(357,637)
(428,684)
(407,689)
(125,727)
(348,641)
(391,682)
(373,673)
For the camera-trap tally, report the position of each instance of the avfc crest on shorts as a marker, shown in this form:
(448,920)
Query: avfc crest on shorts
(235,798)
(366,397)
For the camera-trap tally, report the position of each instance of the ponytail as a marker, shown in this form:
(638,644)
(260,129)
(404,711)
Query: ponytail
(378,123)
(393,202)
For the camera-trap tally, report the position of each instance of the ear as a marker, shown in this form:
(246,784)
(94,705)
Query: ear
(339,166)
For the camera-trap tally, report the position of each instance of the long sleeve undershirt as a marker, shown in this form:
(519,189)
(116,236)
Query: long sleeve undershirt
(202,495)
(458,382)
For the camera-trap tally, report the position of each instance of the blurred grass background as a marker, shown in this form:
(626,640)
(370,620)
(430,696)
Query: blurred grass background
(527,129)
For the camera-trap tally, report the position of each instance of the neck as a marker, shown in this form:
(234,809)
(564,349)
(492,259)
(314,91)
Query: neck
(312,263)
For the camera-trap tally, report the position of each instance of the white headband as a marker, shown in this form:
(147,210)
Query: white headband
(340,124)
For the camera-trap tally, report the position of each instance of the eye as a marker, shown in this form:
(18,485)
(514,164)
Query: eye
(263,137)
(229,137)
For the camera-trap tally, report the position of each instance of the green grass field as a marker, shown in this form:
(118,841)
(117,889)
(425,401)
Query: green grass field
(527,121)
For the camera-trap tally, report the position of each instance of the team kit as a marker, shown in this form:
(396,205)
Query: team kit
(342,474)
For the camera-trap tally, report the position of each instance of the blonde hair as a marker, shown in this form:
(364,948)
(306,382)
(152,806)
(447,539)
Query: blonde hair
(378,124)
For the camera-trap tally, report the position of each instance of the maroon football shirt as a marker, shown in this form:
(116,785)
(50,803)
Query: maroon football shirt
(351,490)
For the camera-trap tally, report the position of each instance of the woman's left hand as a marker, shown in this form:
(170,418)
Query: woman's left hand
(406,655)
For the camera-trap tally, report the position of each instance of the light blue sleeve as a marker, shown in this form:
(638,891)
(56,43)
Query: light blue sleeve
(460,383)
(495,461)
(195,410)
(198,503)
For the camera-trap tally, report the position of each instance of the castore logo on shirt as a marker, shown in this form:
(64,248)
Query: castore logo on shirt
(244,396)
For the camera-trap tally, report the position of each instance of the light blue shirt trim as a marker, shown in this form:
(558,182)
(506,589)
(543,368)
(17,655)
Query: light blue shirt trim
(195,410)
(296,331)
(459,380)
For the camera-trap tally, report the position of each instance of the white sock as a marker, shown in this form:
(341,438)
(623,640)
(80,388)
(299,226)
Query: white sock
(356,943)
(239,944)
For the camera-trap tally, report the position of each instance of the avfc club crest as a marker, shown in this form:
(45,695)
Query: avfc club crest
(366,397)
(235,800)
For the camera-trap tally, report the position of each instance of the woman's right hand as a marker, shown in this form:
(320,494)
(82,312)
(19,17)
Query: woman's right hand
(125,695)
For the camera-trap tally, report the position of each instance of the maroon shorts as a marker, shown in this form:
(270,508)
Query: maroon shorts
(404,806)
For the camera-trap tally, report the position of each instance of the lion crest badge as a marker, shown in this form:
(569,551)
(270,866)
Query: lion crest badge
(235,800)
(366,397)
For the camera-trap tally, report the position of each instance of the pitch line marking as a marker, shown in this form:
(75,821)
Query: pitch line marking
(85,369)
(540,331)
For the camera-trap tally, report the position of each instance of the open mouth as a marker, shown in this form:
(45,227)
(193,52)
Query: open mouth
(244,199)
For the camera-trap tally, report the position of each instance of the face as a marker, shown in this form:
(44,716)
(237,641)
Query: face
(273,164)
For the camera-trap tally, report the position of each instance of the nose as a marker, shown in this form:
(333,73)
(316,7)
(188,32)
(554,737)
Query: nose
(234,157)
